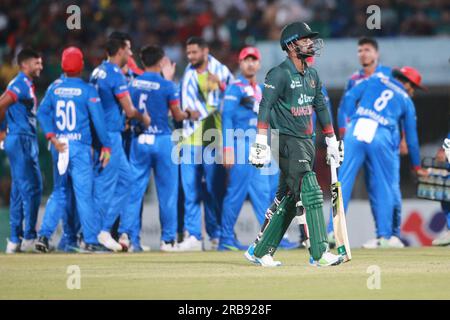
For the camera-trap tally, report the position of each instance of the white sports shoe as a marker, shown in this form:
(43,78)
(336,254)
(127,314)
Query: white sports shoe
(390,243)
(327,259)
(124,241)
(12,247)
(214,244)
(191,244)
(105,239)
(169,247)
(28,245)
(395,242)
(371,244)
(267,261)
(443,240)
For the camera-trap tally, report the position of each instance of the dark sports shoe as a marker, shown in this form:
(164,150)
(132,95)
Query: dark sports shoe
(96,248)
(42,245)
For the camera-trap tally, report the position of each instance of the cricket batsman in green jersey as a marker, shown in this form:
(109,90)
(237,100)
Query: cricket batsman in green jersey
(292,91)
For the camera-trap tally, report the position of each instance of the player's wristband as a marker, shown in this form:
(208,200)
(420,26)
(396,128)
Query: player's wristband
(107,152)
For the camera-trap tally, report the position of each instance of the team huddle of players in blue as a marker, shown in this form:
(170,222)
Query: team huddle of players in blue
(107,135)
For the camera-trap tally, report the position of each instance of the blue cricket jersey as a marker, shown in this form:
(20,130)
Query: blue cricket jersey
(151,92)
(69,107)
(21,115)
(359,76)
(385,101)
(111,85)
(240,107)
(3,125)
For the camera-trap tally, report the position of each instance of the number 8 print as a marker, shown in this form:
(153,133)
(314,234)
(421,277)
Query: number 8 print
(383,100)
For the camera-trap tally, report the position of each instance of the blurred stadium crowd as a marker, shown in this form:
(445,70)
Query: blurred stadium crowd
(227,25)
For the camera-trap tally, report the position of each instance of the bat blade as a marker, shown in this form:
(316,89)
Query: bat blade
(339,222)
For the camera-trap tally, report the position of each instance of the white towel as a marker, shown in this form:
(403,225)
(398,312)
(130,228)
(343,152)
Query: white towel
(63,157)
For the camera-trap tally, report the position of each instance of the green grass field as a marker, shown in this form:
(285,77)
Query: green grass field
(405,274)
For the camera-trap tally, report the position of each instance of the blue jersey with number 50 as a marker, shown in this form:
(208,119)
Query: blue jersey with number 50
(69,107)
(385,101)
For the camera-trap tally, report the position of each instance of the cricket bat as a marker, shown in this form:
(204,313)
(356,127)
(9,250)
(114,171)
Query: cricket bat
(339,223)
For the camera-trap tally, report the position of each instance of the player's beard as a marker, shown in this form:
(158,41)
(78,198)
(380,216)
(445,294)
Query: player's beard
(199,63)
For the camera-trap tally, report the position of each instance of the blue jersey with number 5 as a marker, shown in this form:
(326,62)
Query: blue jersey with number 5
(385,101)
(152,93)
(69,108)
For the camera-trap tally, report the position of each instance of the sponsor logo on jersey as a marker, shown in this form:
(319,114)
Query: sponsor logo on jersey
(146,85)
(99,73)
(305,99)
(295,84)
(68,92)
(268,86)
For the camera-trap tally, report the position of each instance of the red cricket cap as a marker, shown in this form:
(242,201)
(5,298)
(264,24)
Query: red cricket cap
(249,51)
(72,60)
(411,74)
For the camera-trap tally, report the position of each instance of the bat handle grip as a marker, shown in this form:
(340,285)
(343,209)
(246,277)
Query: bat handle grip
(334,178)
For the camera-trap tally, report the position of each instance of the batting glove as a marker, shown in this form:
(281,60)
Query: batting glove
(260,151)
(335,151)
(446,147)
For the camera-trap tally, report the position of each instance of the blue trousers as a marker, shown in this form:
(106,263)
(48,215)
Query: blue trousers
(244,180)
(70,223)
(446,208)
(382,156)
(144,157)
(112,184)
(80,172)
(193,169)
(23,152)
(61,205)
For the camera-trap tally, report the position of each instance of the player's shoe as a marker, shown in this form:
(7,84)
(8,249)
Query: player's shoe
(28,245)
(395,242)
(214,244)
(285,244)
(94,248)
(331,240)
(233,244)
(42,245)
(250,254)
(391,243)
(138,248)
(443,240)
(124,241)
(170,246)
(267,261)
(371,244)
(327,259)
(191,243)
(12,247)
(107,240)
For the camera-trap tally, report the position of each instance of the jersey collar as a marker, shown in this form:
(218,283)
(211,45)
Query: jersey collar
(291,66)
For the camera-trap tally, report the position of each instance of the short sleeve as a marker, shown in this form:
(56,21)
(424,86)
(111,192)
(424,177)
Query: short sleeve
(120,87)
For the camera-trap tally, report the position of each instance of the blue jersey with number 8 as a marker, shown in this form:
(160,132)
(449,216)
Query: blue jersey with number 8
(385,103)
